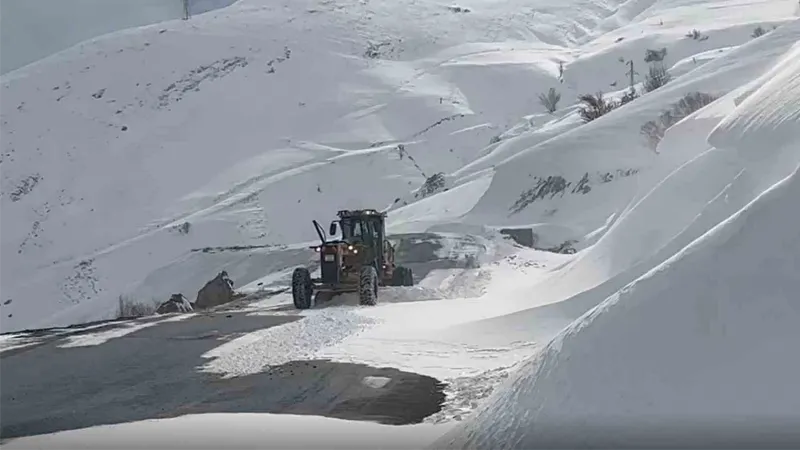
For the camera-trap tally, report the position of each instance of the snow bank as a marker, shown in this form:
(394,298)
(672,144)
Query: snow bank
(238,431)
(695,352)
(682,205)
(768,116)
(293,341)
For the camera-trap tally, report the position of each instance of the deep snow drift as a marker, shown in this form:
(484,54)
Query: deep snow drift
(695,352)
(713,183)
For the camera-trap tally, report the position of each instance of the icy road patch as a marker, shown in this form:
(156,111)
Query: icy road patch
(102,337)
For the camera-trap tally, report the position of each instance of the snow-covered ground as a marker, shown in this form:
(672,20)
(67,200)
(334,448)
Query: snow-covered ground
(695,352)
(239,431)
(251,125)
(94,138)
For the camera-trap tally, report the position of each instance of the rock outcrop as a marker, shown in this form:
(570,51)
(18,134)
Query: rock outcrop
(176,304)
(216,292)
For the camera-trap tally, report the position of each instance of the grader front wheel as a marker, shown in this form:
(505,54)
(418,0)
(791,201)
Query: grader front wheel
(368,286)
(302,288)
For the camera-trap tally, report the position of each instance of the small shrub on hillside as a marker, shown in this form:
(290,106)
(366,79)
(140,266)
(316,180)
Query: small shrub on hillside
(595,106)
(628,97)
(129,308)
(550,100)
(432,185)
(656,77)
(374,50)
(696,35)
(654,130)
(183,228)
(759,31)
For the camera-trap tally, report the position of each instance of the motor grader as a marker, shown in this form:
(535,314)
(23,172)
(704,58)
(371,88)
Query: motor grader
(360,261)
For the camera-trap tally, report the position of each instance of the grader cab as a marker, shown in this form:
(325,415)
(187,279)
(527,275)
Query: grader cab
(361,261)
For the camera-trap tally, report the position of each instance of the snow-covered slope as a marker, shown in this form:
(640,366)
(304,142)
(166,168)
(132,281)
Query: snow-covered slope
(696,351)
(250,125)
(246,128)
(143,162)
(690,194)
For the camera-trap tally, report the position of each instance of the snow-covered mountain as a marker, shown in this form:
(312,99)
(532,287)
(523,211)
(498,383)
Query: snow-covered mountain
(242,123)
(124,155)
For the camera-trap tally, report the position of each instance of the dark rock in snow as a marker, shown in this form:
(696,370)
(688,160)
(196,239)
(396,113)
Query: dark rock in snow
(522,236)
(216,292)
(176,304)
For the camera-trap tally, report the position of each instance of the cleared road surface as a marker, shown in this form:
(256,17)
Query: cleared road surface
(153,373)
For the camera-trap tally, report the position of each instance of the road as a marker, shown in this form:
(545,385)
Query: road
(154,373)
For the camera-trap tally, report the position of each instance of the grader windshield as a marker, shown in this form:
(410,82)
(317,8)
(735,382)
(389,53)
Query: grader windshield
(361,229)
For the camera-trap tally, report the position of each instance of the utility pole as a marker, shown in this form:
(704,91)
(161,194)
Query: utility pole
(185,9)
(631,72)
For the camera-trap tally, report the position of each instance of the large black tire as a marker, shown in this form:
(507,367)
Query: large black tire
(302,288)
(408,278)
(368,286)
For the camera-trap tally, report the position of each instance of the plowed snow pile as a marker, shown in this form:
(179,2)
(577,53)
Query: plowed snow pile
(700,350)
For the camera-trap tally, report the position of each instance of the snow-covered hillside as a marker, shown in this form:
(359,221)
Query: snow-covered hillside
(696,350)
(247,127)
(141,163)
(96,140)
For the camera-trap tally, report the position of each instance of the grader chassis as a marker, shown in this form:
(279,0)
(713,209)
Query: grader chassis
(361,261)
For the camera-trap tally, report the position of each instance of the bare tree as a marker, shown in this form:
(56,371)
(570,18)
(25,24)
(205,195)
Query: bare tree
(594,106)
(629,96)
(550,100)
(130,308)
(656,77)
(697,36)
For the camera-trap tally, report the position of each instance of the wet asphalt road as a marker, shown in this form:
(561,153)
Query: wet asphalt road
(153,373)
